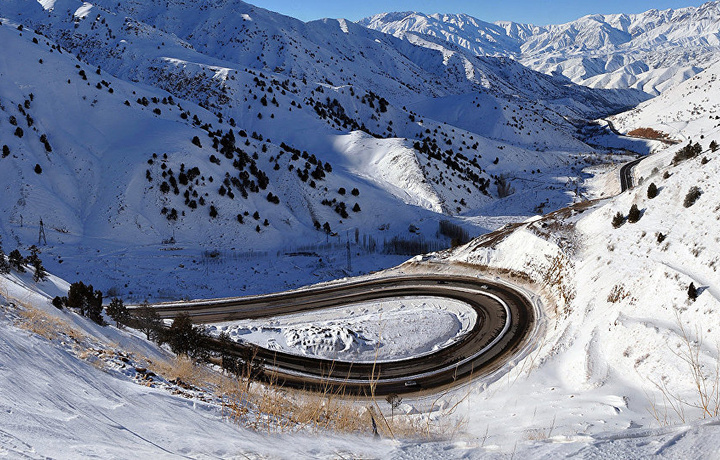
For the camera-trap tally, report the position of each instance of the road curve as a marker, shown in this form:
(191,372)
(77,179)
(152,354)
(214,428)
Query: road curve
(626,178)
(506,319)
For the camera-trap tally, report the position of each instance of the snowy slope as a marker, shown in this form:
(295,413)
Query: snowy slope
(681,112)
(480,37)
(649,51)
(584,391)
(72,389)
(623,333)
(423,134)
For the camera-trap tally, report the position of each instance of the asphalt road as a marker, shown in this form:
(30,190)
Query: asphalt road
(626,178)
(506,319)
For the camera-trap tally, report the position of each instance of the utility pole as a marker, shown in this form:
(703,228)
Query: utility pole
(41,233)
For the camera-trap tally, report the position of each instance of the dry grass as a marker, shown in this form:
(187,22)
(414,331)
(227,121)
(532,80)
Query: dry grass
(705,381)
(39,322)
(44,324)
(617,294)
(265,407)
(184,369)
(648,133)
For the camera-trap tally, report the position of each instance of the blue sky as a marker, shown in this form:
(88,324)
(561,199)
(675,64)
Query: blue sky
(540,12)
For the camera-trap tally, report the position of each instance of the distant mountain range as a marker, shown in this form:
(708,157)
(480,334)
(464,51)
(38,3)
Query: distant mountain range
(650,51)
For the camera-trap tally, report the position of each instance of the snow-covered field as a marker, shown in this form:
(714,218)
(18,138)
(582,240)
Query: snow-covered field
(366,332)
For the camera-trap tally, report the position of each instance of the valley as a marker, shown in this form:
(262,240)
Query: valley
(467,239)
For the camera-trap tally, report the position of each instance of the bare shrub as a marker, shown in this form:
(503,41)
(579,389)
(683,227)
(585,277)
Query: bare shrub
(617,293)
(705,381)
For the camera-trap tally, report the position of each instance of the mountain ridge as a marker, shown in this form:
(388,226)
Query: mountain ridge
(658,47)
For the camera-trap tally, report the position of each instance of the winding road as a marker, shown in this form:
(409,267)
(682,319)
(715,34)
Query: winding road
(506,319)
(626,178)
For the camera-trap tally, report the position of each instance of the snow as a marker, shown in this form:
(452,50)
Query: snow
(646,51)
(83,11)
(622,319)
(366,332)
(80,411)
(607,360)
(681,112)
(100,211)
(392,165)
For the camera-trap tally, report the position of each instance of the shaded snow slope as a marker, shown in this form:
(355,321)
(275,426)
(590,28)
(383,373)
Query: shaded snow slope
(651,51)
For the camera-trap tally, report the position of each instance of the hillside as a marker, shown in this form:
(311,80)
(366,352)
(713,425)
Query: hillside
(651,51)
(628,340)
(687,111)
(169,155)
(602,380)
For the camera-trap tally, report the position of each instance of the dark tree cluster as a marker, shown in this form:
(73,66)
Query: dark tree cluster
(634,215)
(618,220)
(652,191)
(16,261)
(692,196)
(455,232)
(85,300)
(184,338)
(689,151)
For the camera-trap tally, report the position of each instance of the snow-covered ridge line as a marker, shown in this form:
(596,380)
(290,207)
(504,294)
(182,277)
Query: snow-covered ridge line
(646,51)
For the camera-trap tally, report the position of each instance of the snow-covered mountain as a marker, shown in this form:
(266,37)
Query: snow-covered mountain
(681,112)
(170,130)
(650,51)
(624,365)
(179,149)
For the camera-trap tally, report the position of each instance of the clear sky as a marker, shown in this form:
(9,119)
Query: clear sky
(539,12)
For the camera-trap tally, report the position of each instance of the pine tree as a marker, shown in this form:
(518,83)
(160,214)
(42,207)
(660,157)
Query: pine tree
(652,191)
(147,320)
(692,292)
(117,311)
(87,301)
(634,215)
(39,273)
(692,196)
(618,220)
(713,146)
(184,338)
(59,302)
(17,261)
(4,264)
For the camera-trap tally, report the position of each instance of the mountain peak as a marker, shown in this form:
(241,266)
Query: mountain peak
(646,51)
